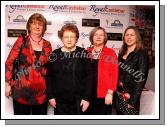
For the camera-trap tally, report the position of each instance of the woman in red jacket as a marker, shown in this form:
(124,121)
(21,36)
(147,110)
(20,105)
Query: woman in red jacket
(28,89)
(105,71)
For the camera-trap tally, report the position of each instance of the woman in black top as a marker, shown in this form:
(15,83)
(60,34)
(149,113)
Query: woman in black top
(68,76)
(133,71)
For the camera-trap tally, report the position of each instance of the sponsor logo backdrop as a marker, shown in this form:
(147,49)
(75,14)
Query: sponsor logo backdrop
(112,17)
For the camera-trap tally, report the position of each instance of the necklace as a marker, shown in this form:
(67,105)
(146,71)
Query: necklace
(36,41)
(96,53)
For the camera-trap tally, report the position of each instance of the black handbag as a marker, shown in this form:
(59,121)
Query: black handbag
(121,102)
(121,105)
(16,62)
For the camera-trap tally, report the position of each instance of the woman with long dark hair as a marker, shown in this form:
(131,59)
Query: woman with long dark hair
(133,71)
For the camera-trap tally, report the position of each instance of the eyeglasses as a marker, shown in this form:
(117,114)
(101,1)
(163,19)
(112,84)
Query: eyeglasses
(101,35)
(69,37)
(37,23)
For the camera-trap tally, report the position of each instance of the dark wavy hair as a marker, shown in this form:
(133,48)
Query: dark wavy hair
(139,44)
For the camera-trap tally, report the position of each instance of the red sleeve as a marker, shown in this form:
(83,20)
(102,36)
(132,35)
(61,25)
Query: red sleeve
(10,59)
(114,71)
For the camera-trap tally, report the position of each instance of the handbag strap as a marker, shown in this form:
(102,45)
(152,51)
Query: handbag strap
(17,60)
(24,43)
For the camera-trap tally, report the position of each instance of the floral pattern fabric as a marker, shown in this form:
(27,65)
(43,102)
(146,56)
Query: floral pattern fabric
(29,87)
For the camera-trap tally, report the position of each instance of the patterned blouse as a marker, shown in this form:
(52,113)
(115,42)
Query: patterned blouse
(29,86)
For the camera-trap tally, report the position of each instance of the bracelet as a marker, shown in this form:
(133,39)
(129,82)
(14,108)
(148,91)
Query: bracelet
(110,93)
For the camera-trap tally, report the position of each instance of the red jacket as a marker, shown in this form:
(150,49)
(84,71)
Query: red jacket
(30,87)
(107,71)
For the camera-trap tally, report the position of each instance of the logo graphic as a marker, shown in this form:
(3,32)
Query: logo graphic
(9,45)
(9,18)
(16,32)
(70,20)
(68,8)
(107,21)
(114,36)
(106,10)
(90,22)
(19,18)
(13,8)
(84,35)
(117,23)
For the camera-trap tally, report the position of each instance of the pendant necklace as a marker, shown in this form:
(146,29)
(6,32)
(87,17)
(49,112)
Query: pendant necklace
(36,41)
(96,53)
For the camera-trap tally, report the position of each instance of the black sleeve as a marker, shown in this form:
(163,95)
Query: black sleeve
(140,80)
(49,81)
(87,81)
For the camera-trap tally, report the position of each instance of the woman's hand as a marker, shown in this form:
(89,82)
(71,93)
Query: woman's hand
(108,99)
(52,102)
(84,104)
(8,90)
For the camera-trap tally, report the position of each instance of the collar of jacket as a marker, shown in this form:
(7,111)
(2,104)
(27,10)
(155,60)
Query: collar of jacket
(91,48)
(105,51)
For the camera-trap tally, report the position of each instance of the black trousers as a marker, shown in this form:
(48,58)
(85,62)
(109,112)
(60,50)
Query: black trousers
(98,107)
(22,109)
(68,108)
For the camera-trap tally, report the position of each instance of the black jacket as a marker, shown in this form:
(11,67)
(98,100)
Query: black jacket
(69,76)
(133,74)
